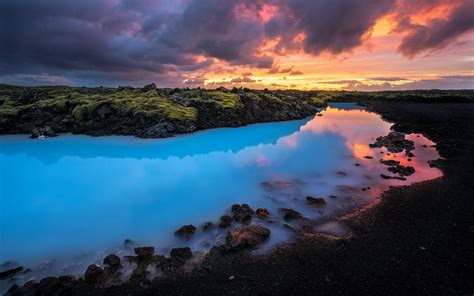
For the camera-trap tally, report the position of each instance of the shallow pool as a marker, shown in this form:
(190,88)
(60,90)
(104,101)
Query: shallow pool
(78,197)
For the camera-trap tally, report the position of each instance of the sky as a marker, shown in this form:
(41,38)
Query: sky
(277,44)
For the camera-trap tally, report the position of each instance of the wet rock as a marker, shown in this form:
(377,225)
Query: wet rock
(45,131)
(145,253)
(436,163)
(315,201)
(262,213)
(248,236)
(242,213)
(395,142)
(113,261)
(181,253)
(392,177)
(368,157)
(128,243)
(186,231)
(402,170)
(389,162)
(207,226)
(9,269)
(93,273)
(290,214)
(342,174)
(160,130)
(225,221)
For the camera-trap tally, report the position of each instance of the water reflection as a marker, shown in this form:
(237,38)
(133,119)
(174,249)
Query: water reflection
(73,194)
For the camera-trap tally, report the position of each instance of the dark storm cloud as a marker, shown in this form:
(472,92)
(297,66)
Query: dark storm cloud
(137,41)
(329,25)
(438,33)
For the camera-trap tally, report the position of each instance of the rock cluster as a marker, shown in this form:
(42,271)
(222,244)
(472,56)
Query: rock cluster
(186,231)
(248,236)
(395,142)
(242,213)
(45,131)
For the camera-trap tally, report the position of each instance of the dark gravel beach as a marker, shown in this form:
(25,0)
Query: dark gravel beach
(417,241)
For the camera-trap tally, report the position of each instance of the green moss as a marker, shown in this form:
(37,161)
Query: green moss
(83,112)
(153,107)
(318,102)
(226,100)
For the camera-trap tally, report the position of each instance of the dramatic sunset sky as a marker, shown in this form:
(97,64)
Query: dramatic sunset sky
(299,44)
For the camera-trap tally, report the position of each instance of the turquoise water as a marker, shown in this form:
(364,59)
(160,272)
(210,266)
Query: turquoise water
(79,197)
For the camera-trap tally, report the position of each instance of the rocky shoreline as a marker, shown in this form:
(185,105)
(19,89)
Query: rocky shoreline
(378,258)
(151,112)
(241,228)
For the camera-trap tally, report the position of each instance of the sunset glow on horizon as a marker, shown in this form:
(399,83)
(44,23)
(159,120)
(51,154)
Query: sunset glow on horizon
(276,44)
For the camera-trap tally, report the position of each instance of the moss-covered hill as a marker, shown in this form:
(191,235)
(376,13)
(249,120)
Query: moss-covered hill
(153,112)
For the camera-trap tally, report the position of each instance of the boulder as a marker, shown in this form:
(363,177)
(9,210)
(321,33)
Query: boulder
(113,261)
(186,231)
(248,236)
(262,213)
(207,226)
(315,201)
(242,213)
(290,214)
(93,273)
(159,130)
(181,253)
(402,170)
(128,243)
(9,268)
(225,221)
(145,253)
(392,177)
(436,163)
(45,131)
(389,162)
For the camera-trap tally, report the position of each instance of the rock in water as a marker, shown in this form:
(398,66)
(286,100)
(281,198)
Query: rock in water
(262,213)
(207,226)
(389,162)
(392,177)
(225,221)
(160,130)
(315,201)
(181,253)
(145,253)
(45,131)
(402,170)
(93,273)
(394,142)
(248,236)
(242,213)
(186,231)
(113,261)
(290,214)
(9,268)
